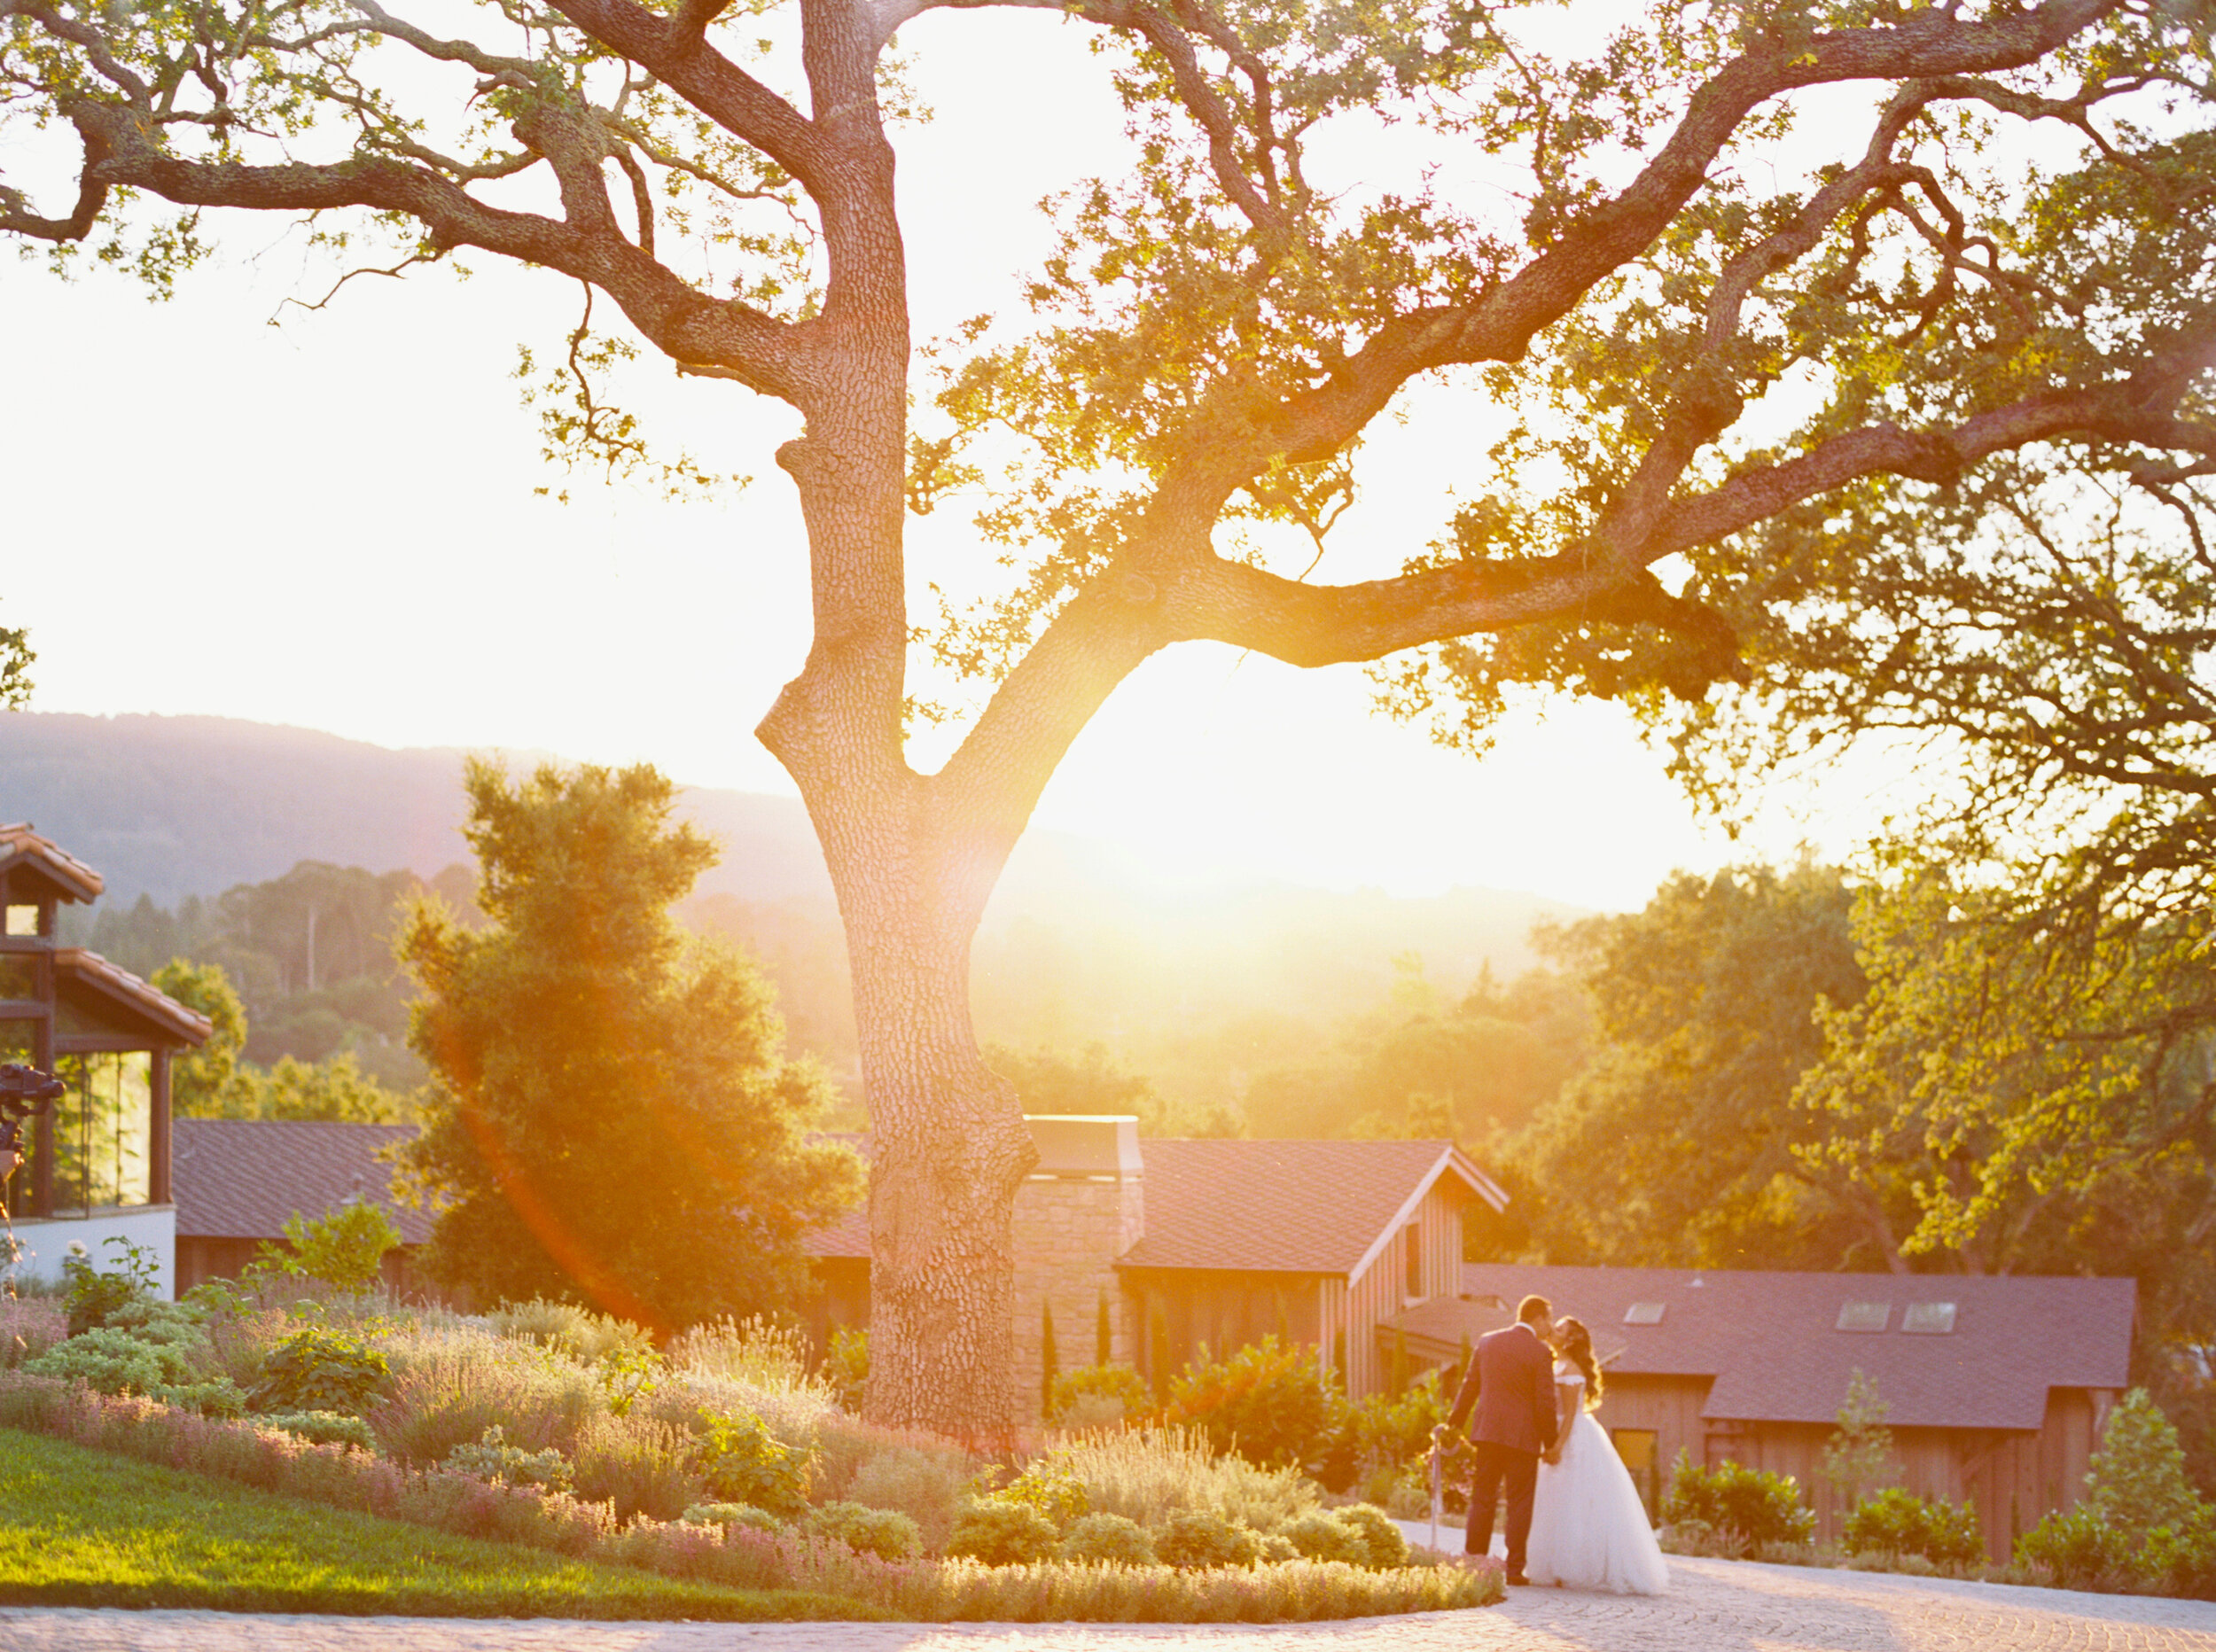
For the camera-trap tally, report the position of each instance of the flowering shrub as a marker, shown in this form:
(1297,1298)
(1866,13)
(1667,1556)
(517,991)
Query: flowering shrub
(1382,1545)
(1097,1396)
(492,1458)
(321,1427)
(996,1533)
(1109,1540)
(732,1514)
(1269,1403)
(1150,1475)
(28,1326)
(1194,1542)
(732,1553)
(929,1486)
(883,1532)
(846,1366)
(93,1296)
(1050,1489)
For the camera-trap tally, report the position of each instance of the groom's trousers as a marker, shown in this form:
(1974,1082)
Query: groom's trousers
(1500,1466)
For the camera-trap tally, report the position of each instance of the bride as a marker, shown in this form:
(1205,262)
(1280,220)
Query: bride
(1589,1529)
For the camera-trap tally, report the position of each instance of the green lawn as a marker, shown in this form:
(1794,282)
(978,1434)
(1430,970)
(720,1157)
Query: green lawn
(84,1528)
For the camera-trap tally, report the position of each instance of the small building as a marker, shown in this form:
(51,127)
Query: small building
(97,1161)
(1194,1243)
(1998,1388)
(239,1180)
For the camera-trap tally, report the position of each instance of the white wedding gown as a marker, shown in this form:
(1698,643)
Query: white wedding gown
(1588,1530)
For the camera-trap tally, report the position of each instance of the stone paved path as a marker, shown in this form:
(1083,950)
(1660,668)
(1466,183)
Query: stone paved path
(1715,1606)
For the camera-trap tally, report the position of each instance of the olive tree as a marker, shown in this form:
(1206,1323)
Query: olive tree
(1711,268)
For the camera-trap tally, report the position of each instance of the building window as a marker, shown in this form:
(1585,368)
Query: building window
(1645,1312)
(103,1136)
(19,976)
(1414,1234)
(1864,1316)
(22,920)
(1929,1319)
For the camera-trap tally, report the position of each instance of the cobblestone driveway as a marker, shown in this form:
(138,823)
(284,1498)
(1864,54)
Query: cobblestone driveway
(1715,1607)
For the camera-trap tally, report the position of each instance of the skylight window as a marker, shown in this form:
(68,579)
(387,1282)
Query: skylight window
(1864,1316)
(1929,1319)
(1645,1312)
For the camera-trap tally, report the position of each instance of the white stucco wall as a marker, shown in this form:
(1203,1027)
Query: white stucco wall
(154,1226)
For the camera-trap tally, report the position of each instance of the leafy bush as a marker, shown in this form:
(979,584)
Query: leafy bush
(846,1366)
(1324,1537)
(753,1352)
(1896,1522)
(927,1487)
(1195,1542)
(1109,1540)
(1382,1546)
(742,1461)
(1150,1475)
(93,1297)
(732,1514)
(1050,1489)
(344,1248)
(2080,1550)
(885,1533)
(1391,1432)
(1097,1396)
(163,1356)
(321,1427)
(565,1329)
(1271,1404)
(315,1369)
(1003,1534)
(639,1465)
(492,1458)
(2137,1480)
(1746,1506)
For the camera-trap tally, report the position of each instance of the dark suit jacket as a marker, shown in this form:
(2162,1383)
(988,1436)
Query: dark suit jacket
(1510,1385)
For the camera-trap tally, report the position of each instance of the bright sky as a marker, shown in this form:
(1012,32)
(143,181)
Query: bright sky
(332,524)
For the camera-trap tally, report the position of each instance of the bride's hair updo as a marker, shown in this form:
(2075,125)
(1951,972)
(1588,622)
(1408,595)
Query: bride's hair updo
(1575,1343)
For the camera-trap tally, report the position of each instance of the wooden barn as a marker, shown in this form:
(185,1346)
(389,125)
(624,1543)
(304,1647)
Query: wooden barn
(1216,1243)
(239,1180)
(1998,1387)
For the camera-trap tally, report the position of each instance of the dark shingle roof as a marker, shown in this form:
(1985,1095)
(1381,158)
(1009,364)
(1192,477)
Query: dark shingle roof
(240,1178)
(1770,1342)
(1301,1207)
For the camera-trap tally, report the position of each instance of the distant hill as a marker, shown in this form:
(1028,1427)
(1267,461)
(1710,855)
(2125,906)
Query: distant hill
(1084,942)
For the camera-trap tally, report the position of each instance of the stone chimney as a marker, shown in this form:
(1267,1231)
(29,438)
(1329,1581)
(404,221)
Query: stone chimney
(1084,1206)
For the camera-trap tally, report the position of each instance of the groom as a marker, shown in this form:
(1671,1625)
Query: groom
(1510,1383)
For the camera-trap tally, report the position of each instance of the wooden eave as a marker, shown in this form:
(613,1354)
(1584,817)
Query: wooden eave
(125,1005)
(24,854)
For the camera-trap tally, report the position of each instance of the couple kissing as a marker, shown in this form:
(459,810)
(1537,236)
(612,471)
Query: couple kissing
(1573,1515)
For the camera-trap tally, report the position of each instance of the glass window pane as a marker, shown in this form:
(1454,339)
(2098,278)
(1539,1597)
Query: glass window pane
(18,975)
(71,1147)
(22,920)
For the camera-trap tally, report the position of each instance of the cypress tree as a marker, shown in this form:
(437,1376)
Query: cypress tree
(1104,1334)
(1049,1366)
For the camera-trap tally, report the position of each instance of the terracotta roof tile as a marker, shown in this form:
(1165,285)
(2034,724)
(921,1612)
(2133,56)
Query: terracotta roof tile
(1771,1342)
(78,881)
(148,1000)
(240,1178)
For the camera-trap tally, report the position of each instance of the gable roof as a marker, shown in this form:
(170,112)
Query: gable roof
(1283,1207)
(72,878)
(1298,1207)
(1771,1342)
(240,1178)
(111,987)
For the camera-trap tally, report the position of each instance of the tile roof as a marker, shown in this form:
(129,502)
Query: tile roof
(240,1178)
(77,881)
(1771,1342)
(1301,1207)
(91,969)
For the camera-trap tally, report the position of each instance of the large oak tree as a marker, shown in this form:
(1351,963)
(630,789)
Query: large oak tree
(1728,346)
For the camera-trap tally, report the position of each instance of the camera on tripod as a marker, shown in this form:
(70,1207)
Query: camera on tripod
(24,1092)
